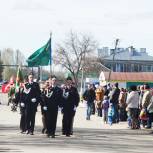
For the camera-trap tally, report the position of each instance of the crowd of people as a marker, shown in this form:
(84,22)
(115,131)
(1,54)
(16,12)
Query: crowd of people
(110,102)
(134,105)
(50,97)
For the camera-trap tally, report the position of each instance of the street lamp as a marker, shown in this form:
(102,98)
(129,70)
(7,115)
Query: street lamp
(114,53)
(81,87)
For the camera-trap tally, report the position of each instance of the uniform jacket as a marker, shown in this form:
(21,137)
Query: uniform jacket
(52,98)
(70,98)
(32,91)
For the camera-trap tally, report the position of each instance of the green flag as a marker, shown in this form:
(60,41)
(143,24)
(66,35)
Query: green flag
(41,57)
(19,77)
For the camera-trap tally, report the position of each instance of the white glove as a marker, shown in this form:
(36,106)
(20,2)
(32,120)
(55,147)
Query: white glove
(33,100)
(74,108)
(22,104)
(45,108)
(60,108)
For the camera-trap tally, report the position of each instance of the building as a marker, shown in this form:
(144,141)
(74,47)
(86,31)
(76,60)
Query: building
(126,79)
(126,59)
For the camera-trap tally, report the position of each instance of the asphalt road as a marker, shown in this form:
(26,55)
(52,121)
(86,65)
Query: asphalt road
(89,136)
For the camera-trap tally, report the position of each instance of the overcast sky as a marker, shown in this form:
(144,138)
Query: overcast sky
(26,24)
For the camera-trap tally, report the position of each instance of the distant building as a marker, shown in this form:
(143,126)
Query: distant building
(126,59)
(126,79)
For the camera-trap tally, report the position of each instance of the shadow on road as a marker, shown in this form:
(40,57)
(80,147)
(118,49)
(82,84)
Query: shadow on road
(84,139)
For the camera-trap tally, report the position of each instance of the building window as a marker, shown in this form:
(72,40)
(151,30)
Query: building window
(136,68)
(147,68)
(122,67)
(140,68)
(128,68)
(118,67)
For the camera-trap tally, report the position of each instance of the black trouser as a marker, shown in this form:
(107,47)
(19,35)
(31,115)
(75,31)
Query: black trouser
(44,121)
(99,111)
(51,119)
(23,120)
(134,114)
(116,113)
(150,119)
(122,114)
(93,108)
(30,119)
(68,117)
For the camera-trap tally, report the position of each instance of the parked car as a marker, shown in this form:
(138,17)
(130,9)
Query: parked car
(5,87)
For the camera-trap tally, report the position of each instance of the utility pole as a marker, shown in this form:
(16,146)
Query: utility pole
(38,77)
(51,53)
(114,53)
(81,89)
(0,55)
(17,59)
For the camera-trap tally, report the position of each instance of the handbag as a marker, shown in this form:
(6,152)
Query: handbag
(143,115)
(150,106)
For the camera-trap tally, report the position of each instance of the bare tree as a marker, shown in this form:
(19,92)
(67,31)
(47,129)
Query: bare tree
(93,66)
(72,53)
(19,58)
(1,69)
(10,57)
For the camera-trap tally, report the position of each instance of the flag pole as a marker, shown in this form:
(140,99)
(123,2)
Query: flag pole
(50,53)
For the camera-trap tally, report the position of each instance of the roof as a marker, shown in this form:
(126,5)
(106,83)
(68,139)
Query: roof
(125,55)
(127,76)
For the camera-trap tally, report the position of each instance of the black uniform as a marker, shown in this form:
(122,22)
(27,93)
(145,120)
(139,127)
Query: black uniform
(32,98)
(70,102)
(43,111)
(20,99)
(52,101)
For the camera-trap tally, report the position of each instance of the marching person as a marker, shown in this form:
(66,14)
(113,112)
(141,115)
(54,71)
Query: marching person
(43,111)
(20,99)
(12,97)
(52,100)
(70,102)
(32,98)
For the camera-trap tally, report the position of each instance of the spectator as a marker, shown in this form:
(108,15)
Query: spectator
(122,105)
(146,100)
(89,96)
(110,114)
(99,97)
(114,96)
(132,106)
(105,106)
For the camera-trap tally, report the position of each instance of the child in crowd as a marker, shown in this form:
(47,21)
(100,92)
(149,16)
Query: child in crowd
(128,118)
(105,106)
(110,114)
